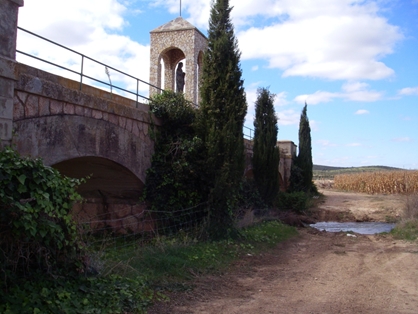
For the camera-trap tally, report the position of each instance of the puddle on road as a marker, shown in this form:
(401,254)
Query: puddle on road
(357,227)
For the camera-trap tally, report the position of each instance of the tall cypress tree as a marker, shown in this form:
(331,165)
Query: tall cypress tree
(266,152)
(304,159)
(223,109)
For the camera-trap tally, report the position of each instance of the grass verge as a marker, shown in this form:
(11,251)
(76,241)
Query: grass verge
(407,228)
(175,260)
(130,277)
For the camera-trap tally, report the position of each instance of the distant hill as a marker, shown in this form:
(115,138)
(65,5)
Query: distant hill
(328,172)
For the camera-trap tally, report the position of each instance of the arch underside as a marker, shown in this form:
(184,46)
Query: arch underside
(105,178)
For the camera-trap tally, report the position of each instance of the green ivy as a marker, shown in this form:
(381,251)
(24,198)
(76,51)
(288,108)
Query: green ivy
(175,180)
(113,294)
(37,231)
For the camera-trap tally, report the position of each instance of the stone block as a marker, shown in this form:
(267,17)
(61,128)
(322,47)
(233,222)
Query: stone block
(7,68)
(6,108)
(56,107)
(79,110)
(87,112)
(129,123)
(44,106)
(6,87)
(69,108)
(122,122)
(113,119)
(5,129)
(96,114)
(135,129)
(130,224)
(18,109)
(32,106)
(120,210)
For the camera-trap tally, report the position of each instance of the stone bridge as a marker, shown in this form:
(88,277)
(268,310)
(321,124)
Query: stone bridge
(79,130)
(83,131)
(90,133)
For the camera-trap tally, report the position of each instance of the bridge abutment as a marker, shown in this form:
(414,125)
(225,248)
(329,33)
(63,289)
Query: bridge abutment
(8,32)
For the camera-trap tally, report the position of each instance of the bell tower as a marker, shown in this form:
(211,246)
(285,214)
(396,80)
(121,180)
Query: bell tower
(173,43)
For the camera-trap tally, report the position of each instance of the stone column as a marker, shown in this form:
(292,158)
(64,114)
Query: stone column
(8,32)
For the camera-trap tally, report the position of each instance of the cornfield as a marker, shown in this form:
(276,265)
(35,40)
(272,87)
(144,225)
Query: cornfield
(387,182)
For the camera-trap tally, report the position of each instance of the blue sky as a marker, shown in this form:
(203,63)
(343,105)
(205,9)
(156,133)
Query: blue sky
(353,61)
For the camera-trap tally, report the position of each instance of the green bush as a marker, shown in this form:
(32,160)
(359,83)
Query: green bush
(37,231)
(174,181)
(113,294)
(295,201)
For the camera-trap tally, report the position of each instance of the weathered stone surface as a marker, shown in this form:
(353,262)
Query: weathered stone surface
(56,107)
(6,108)
(121,210)
(96,114)
(5,129)
(66,137)
(69,108)
(8,27)
(32,106)
(18,108)
(130,224)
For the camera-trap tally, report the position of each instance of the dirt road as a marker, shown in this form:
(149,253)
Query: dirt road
(317,272)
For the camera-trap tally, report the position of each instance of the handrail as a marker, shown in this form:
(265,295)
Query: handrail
(81,73)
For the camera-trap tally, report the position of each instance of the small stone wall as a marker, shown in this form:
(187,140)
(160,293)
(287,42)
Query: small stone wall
(113,218)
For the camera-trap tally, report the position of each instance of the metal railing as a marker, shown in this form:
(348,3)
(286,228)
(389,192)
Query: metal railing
(82,69)
(248,132)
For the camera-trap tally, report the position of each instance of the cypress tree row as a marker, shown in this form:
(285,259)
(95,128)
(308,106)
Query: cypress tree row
(304,159)
(223,109)
(266,152)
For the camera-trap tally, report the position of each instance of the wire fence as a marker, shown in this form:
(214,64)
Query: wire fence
(119,231)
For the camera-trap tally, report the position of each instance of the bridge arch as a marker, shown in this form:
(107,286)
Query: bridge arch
(60,138)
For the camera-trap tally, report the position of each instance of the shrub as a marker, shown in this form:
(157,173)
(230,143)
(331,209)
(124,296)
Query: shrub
(174,181)
(296,201)
(37,232)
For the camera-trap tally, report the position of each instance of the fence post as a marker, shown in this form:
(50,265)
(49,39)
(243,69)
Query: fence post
(9,10)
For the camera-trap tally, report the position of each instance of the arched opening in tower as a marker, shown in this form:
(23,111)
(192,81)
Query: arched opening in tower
(171,58)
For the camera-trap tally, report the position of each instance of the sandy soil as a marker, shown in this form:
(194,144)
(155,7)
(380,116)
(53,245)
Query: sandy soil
(317,272)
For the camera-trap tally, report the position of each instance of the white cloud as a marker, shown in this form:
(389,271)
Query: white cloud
(330,39)
(324,38)
(325,143)
(409,91)
(362,111)
(90,27)
(353,145)
(352,91)
(254,68)
(402,139)
(288,117)
(317,97)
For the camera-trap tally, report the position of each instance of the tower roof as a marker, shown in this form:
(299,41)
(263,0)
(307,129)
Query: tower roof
(177,24)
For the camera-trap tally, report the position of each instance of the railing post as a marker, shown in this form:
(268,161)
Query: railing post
(81,73)
(137,92)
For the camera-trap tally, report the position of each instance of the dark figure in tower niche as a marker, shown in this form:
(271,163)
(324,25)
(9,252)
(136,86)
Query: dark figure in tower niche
(180,78)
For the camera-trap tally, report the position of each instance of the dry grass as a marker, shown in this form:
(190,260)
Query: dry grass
(387,182)
(411,207)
